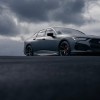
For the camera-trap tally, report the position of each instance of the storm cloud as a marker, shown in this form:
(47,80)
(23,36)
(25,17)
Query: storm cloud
(39,11)
(8,26)
(66,11)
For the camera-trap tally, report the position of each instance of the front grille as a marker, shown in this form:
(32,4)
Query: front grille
(95,44)
(80,46)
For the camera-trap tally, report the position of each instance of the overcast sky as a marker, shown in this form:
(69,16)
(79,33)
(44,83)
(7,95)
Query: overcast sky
(19,19)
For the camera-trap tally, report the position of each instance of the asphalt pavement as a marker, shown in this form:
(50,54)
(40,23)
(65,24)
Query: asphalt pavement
(50,78)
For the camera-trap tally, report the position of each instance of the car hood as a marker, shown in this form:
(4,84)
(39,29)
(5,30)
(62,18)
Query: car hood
(84,36)
(88,36)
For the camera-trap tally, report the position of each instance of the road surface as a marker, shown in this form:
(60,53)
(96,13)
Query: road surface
(50,78)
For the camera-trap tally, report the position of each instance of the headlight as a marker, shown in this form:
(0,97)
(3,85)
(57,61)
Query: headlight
(80,38)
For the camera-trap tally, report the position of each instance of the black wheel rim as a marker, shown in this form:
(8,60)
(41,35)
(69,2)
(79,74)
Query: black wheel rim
(64,49)
(29,51)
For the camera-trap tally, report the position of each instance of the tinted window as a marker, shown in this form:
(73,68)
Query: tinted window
(41,33)
(68,31)
(50,31)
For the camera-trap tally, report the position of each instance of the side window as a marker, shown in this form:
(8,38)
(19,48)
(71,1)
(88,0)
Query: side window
(41,33)
(35,35)
(59,32)
(50,31)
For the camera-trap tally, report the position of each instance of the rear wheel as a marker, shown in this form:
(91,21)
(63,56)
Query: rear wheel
(29,51)
(64,49)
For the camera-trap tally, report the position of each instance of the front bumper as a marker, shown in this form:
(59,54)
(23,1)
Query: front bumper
(88,45)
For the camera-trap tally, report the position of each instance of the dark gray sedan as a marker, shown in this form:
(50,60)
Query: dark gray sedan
(60,41)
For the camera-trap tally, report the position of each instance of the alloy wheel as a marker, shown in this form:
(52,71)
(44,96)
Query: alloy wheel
(29,51)
(64,49)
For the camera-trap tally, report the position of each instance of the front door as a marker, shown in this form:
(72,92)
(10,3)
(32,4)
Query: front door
(50,42)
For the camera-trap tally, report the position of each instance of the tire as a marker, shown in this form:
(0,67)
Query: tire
(29,51)
(64,49)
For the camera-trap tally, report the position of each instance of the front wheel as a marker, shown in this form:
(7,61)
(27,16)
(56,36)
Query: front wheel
(64,49)
(29,51)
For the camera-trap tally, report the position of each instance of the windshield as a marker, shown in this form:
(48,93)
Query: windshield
(68,31)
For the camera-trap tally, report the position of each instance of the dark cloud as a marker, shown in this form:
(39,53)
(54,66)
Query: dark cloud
(33,10)
(70,12)
(66,11)
(1,8)
(8,26)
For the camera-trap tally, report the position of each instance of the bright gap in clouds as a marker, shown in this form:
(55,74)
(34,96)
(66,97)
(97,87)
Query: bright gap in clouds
(92,27)
(10,47)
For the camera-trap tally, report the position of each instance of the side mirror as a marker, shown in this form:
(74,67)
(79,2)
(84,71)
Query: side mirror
(50,34)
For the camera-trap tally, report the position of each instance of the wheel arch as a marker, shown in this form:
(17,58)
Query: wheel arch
(26,47)
(68,42)
(63,41)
